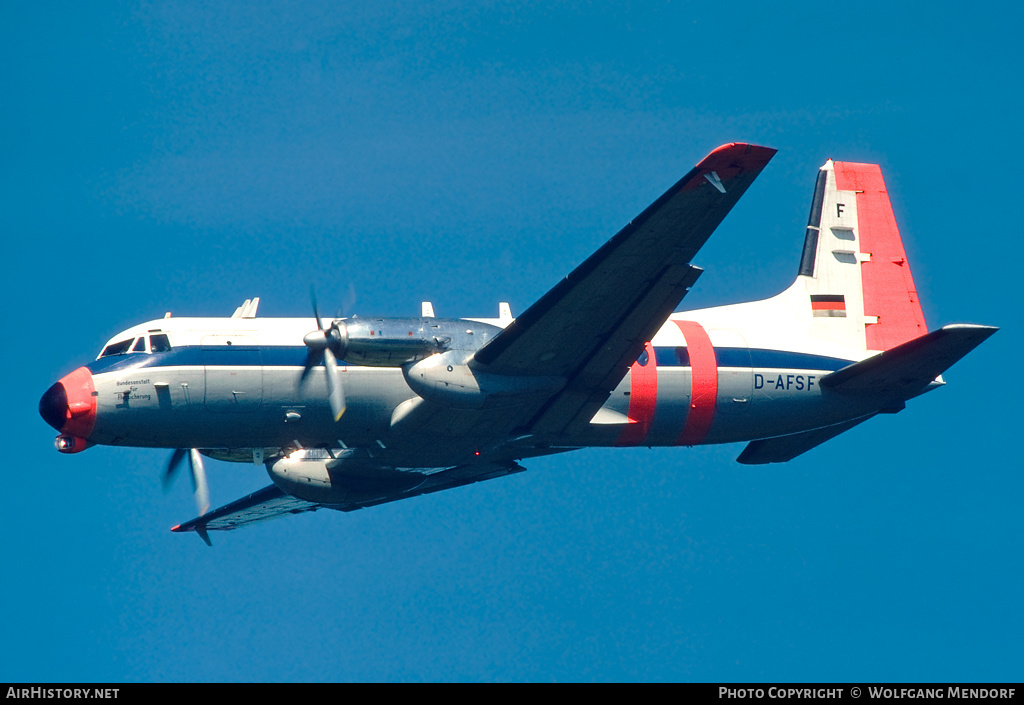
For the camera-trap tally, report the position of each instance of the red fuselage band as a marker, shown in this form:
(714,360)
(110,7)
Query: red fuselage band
(704,383)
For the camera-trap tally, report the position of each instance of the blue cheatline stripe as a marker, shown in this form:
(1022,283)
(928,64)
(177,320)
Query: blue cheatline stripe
(295,356)
(193,355)
(753,357)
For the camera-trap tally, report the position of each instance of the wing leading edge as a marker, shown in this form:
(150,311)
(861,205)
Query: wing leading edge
(594,323)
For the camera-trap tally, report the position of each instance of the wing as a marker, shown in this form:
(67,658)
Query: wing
(444,480)
(272,502)
(593,325)
(268,503)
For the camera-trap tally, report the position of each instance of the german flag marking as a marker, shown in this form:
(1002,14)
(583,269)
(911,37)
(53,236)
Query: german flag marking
(828,305)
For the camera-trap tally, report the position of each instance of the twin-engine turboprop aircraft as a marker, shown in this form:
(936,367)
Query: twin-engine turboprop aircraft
(354,412)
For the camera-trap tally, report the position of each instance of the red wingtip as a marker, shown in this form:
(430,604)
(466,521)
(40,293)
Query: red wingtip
(731,159)
(738,155)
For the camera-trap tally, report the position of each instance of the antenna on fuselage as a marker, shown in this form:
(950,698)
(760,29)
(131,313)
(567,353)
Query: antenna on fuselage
(247,309)
(504,312)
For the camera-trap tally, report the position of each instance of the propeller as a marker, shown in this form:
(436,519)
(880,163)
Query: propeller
(327,345)
(199,484)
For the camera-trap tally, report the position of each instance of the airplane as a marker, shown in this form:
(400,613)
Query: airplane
(353,412)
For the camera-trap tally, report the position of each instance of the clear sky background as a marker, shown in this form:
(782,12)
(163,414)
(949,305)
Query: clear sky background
(182,156)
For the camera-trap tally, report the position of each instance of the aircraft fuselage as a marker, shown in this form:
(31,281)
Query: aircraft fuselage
(233,386)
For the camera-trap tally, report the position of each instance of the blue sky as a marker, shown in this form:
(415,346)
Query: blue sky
(182,157)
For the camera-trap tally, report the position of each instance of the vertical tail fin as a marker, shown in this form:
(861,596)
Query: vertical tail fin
(854,277)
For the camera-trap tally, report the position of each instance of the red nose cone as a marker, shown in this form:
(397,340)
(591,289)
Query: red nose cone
(70,405)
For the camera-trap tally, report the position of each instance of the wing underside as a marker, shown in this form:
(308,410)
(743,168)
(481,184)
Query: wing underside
(269,503)
(272,502)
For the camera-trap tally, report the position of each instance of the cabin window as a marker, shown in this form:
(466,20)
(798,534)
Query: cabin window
(159,343)
(118,348)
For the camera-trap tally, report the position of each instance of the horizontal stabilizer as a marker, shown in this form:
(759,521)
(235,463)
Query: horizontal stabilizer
(784,448)
(906,370)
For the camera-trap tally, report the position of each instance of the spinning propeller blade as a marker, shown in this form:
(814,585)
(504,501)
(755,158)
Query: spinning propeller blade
(326,346)
(200,486)
(335,393)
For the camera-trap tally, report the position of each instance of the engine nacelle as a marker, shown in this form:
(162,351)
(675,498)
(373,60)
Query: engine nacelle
(396,342)
(387,342)
(449,380)
(314,476)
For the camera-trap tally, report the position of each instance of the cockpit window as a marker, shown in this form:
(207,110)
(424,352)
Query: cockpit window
(140,345)
(159,343)
(118,348)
